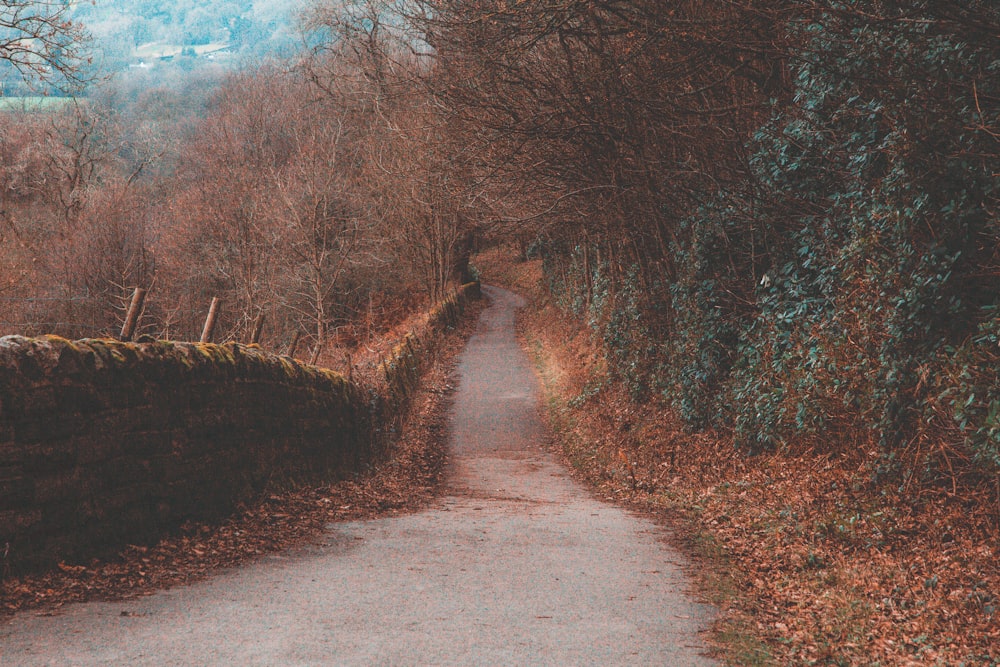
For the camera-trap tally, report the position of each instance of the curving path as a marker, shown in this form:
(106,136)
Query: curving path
(515,565)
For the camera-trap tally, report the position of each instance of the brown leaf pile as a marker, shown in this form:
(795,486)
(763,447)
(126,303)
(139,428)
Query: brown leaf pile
(406,481)
(812,562)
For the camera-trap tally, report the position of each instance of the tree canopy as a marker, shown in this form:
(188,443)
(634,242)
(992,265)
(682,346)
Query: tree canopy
(39,39)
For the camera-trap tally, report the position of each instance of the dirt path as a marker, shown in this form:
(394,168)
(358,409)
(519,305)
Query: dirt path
(516,564)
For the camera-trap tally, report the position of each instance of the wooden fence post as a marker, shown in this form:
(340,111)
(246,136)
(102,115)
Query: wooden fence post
(294,344)
(132,317)
(258,329)
(213,314)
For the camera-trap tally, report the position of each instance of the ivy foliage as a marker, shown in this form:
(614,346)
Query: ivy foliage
(888,243)
(851,282)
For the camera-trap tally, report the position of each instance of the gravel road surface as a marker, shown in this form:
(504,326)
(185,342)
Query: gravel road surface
(515,565)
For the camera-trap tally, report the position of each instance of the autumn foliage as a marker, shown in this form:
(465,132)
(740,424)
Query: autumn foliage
(290,201)
(780,218)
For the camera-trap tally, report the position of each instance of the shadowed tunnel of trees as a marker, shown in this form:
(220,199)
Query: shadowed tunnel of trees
(779,216)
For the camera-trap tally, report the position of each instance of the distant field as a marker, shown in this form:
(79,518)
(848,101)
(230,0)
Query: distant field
(34,104)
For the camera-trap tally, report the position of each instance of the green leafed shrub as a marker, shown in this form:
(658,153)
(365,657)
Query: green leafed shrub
(887,242)
(849,284)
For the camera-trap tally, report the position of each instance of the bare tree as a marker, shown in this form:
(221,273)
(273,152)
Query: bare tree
(221,227)
(322,224)
(615,116)
(431,194)
(370,60)
(39,40)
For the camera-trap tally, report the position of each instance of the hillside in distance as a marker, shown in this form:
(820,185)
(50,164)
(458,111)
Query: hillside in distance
(149,33)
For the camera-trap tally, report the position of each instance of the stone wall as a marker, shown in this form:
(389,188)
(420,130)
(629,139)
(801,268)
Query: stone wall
(103,443)
(403,367)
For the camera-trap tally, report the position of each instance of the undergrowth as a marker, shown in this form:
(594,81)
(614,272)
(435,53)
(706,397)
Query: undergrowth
(816,555)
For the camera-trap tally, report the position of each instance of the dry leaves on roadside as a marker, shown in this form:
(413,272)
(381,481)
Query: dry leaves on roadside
(813,562)
(407,480)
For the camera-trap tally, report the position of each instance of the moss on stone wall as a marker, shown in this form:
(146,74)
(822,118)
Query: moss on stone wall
(105,443)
